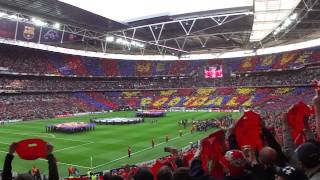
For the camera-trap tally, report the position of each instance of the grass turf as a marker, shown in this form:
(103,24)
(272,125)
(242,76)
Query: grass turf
(107,144)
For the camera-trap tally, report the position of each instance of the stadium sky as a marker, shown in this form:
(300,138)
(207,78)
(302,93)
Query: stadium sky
(128,10)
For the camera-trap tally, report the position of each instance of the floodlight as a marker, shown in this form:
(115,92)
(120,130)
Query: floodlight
(38,22)
(2,14)
(287,22)
(13,16)
(109,38)
(294,16)
(57,25)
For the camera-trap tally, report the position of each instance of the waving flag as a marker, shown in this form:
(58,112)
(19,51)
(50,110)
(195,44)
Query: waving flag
(296,116)
(248,130)
(212,151)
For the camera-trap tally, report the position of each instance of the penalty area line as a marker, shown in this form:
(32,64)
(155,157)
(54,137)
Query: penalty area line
(28,134)
(71,147)
(142,150)
(52,136)
(68,164)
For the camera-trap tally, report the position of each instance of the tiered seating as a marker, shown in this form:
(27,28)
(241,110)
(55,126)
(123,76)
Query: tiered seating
(76,64)
(143,68)
(26,60)
(196,92)
(91,101)
(212,98)
(55,60)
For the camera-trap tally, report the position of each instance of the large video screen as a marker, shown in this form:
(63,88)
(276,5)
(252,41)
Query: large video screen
(213,72)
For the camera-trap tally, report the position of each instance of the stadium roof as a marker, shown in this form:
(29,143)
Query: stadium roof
(63,13)
(178,27)
(127,11)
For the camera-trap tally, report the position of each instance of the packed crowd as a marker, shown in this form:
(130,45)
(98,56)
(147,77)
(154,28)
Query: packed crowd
(27,60)
(20,83)
(37,105)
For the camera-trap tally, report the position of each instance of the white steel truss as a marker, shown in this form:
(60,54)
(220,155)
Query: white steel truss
(187,25)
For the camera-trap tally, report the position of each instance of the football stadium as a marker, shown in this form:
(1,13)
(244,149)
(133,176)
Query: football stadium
(160,90)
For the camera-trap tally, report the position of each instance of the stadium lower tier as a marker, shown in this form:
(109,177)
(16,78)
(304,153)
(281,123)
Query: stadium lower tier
(50,105)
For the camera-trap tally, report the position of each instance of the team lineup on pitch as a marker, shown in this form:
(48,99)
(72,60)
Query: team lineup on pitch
(107,144)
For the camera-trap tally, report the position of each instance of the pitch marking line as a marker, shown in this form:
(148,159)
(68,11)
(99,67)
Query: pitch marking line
(4,143)
(58,162)
(37,134)
(52,137)
(71,147)
(135,153)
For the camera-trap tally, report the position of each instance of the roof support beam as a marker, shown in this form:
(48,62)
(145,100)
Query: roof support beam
(207,35)
(189,19)
(184,28)
(203,44)
(151,43)
(219,21)
(155,30)
(156,39)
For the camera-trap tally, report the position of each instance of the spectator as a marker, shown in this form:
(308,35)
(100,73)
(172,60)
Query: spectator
(143,174)
(309,156)
(181,173)
(289,173)
(164,173)
(7,168)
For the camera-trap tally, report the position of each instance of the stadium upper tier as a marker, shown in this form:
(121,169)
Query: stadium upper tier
(12,83)
(26,60)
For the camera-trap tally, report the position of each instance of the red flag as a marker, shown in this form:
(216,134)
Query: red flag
(188,157)
(248,130)
(296,116)
(31,149)
(212,151)
(156,166)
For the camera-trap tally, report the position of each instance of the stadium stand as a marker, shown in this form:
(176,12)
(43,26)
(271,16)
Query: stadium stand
(43,77)
(58,59)
(47,85)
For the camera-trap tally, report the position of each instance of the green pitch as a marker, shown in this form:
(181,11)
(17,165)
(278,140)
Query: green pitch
(107,145)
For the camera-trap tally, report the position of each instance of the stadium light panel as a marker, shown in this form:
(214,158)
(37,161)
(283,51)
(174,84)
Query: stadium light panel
(137,44)
(294,16)
(287,22)
(38,22)
(109,38)
(2,14)
(13,16)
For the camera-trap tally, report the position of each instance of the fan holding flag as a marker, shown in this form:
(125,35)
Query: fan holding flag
(316,104)
(30,149)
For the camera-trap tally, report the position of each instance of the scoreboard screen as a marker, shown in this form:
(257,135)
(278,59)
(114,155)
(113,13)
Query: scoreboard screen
(213,72)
